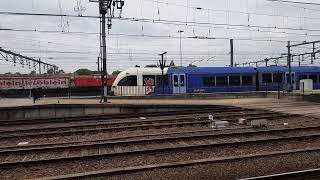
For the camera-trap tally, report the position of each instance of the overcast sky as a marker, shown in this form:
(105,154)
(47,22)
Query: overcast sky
(264,27)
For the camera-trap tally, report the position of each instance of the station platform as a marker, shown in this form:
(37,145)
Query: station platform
(184,99)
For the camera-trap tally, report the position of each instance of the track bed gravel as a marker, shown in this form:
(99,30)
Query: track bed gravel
(227,170)
(135,159)
(100,135)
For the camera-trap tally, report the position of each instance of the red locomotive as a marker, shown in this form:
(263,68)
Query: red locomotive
(91,81)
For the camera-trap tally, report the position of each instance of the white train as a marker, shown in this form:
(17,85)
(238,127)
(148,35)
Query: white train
(138,81)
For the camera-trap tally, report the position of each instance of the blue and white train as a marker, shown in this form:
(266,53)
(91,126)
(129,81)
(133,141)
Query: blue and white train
(181,80)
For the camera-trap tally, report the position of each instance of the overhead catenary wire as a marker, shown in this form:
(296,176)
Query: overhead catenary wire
(248,28)
(226,11)
(296,2)
(164,21)
(147,36)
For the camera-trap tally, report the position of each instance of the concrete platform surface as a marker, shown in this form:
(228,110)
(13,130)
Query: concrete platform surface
(46,101)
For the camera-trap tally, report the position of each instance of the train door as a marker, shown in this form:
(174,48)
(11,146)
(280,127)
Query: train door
(179,83)
(293,79)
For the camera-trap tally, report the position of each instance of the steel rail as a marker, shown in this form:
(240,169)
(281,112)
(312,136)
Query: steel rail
(193,133)
(136,121)
(294,175)
(133,169)
(158,149)
(146,126)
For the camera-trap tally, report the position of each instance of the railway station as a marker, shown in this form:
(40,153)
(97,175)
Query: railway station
(153,89)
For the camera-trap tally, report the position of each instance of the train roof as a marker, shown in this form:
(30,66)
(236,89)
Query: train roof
(235,70)
(143,70)
(309,69)
(205,70)
(138,70)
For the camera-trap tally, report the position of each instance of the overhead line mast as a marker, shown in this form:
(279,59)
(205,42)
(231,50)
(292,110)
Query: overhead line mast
(106,8)
(25,60)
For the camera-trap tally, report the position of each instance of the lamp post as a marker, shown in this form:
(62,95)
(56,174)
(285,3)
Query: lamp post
(279,76)
(180,31)
(162,66)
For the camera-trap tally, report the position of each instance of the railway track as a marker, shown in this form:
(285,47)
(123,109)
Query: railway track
(309,174)
(135,120)
(118,155)
(147,171)
(198,120)
(157,135)
(13,157)
(124,115)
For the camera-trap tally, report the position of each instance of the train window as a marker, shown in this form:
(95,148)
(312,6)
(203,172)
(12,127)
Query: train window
(159,80)
(222,80)
(209,81)
(128,81)
(267,78)
(234,80)
(149,80)
(293,77)
(247,80)
(182,80)
(123,82)
(314,78)
(277,77)
(304,76)
(175,81)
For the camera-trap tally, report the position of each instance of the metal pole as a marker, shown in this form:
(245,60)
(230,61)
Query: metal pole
(162,77)
(39,67)
(231,52)
(289,66)
(180,52)
(278,84)
(266,60)
(257,80)
(313,57)
(180,31)
(162,66)
(104,57)
(278,89)
(98,63)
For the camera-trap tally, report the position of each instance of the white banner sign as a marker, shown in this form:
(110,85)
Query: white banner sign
(34,82)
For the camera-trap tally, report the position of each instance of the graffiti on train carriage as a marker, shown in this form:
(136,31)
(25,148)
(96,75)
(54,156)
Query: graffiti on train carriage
(149,82)
(7,83)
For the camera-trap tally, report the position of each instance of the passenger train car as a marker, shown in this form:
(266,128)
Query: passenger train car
(53,85)
(180,80)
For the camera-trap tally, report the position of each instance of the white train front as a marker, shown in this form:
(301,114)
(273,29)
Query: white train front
(138,81)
